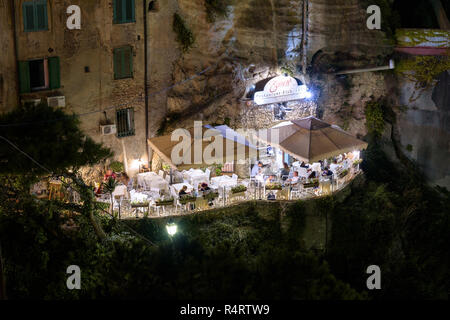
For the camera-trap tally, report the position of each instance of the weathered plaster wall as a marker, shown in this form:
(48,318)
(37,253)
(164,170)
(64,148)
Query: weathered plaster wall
(425,125)
(92,47)
(8,76)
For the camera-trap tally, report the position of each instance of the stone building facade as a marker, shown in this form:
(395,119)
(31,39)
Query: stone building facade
(97,71)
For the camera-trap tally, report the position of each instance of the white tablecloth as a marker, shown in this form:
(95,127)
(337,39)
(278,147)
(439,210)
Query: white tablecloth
(178,187)
(195,176)
(223,181)
(137,196)
(120,190)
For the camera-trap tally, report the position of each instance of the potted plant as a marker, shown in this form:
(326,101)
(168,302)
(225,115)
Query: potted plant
(137,204)
(314,183)
(116,166)
(274,186)
(343,174)
(164,202)
(109,186)
(238,189)
(357,162)
(187,199)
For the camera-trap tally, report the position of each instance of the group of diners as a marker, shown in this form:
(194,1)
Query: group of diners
(328,169)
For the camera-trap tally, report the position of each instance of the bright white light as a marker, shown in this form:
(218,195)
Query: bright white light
(171,229)
(356,154)
(308,95)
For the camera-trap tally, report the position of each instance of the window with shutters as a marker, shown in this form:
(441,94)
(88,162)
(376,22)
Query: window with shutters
(123,62)
(35,15)
(41,74)
(123,11)
(125,122)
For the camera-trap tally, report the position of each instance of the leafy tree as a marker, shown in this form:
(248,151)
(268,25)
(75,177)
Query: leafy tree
(50,136)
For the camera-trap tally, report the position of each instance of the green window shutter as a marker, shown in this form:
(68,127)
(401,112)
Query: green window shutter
(41,15)
(129,5)
(118,11)
(127,62)
(54,73)
(118,63)
(123,62)
(24,77)
(28,16)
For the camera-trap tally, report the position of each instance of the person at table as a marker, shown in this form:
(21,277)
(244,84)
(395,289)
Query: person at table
(204,187)
(270,179)
(304,165)
(327,172)
(257,168)
(126,180)
(285,172)
(334,165)
(311,174)
(294,178)
(183,191)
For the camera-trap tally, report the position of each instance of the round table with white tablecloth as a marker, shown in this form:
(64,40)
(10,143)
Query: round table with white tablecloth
(195,176)
(150,180)
(223,181)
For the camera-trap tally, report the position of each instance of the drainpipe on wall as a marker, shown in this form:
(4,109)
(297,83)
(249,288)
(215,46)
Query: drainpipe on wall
(16,51)
(145,84)
(390,66)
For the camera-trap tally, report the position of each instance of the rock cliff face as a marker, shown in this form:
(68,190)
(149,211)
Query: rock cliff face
(262,38)
(259,38)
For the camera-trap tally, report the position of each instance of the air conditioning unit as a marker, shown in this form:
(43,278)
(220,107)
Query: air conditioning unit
(34,102)
(108,129)
(56,101)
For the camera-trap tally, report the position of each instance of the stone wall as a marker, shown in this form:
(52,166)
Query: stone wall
(89,93)
(8,75)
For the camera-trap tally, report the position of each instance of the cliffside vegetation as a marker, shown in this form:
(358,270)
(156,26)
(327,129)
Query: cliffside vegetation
(422,71)
(185,37)
(252,251)
(216,9)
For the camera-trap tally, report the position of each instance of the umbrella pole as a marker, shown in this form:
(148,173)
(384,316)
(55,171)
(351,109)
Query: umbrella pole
(170,175)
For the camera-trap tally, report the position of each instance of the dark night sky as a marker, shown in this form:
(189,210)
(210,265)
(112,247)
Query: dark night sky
(418,13)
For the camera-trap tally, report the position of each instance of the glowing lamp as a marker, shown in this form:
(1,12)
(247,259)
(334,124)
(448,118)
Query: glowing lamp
(171,228)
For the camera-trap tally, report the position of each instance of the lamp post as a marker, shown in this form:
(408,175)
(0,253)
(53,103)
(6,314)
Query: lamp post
(171,228)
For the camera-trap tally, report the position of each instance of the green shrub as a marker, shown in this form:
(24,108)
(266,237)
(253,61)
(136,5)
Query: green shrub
(237,189)
(216,8)
(116,166)
(184,36)
(374,118)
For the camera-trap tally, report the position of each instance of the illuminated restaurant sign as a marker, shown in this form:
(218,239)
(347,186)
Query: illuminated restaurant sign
(281,89)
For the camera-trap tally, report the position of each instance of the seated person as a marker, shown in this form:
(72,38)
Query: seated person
(304,165)
(257,168)
(285,172)
(327,172)
(271,196)
(109,174)
(271,179)
(204,187)
(294,179)
(334,165)
(126,180)
(183,191)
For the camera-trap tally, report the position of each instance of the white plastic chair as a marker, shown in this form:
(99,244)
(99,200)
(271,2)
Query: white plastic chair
(161,173)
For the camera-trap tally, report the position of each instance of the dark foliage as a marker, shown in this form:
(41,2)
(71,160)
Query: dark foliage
(50,136)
